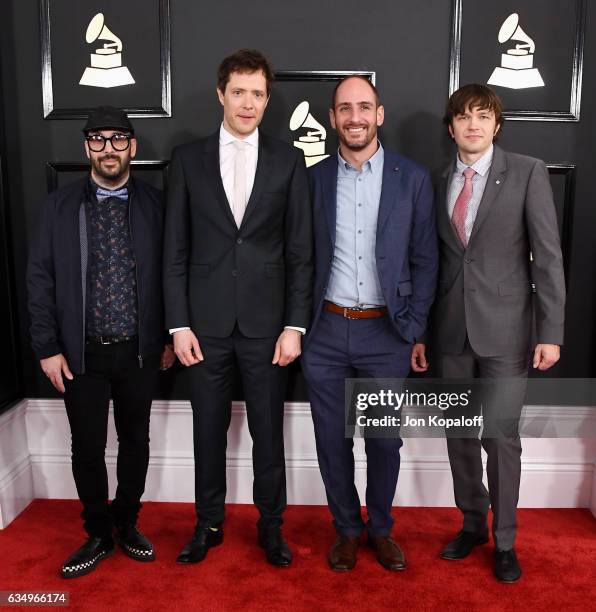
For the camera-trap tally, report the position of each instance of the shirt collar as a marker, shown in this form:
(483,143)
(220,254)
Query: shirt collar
(481,166)
(374,163)
(225,138)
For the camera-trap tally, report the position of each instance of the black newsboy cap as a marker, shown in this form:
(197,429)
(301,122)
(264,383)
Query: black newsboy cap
(104,117)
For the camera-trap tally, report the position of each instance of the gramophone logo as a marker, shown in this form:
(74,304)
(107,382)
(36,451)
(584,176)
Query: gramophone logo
(313,142)
(517,65)
(106,68)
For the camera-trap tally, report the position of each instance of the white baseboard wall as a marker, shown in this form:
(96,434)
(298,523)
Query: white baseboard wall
(16,481)
(35,461)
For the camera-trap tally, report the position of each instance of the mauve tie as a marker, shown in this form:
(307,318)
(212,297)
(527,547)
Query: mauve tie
(460,210)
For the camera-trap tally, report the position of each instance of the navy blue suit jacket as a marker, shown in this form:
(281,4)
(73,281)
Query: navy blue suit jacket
(406,248)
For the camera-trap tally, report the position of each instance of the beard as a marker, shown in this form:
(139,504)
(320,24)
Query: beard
(112,174)
(363,141)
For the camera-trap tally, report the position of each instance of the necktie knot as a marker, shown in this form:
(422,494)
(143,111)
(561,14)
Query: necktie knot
(469,173)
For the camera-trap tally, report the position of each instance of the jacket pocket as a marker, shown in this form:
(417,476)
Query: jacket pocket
(514,288)
(274,270)
(199,269)
(404,288)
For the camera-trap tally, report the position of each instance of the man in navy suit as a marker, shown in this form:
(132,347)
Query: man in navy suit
(375,275)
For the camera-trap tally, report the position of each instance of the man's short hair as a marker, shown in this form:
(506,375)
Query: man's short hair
(355,76)
(244,60)
(472,96)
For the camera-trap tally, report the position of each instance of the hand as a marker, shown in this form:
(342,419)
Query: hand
(287,347)
(546,355)
(167,357)
(53,367)
(418,360)
(186,347)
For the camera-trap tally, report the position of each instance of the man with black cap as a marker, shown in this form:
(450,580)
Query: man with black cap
(95,303)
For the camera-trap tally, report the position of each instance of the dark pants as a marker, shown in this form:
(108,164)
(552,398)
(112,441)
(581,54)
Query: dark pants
(502,402)
(341,348)
(111,371)
(211,394)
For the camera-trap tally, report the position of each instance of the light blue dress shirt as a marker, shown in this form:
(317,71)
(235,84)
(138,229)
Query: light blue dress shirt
(354,280)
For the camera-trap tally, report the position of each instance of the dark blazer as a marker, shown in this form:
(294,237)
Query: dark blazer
(215,274)
(486,290)
(406,246)
(56,272)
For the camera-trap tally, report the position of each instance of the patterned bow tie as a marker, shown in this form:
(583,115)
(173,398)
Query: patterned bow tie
(102,194)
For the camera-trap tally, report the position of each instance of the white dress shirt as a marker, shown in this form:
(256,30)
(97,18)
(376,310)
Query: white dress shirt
(227,156)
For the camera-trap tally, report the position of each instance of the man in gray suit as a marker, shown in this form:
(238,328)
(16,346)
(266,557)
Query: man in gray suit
(500,266)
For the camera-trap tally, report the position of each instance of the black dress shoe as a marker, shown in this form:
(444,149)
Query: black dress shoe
(202,540)
(86,558)
(276,548)
(507,568)
(134,544)
(463,544)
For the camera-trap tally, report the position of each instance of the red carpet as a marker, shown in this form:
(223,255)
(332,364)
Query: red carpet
(556,548)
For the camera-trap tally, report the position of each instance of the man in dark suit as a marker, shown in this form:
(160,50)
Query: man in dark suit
(96,307)
(500,262)
(375,275)
(237,274)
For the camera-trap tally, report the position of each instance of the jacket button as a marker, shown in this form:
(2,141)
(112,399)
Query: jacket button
(239,241)
(234,273)
(468,260)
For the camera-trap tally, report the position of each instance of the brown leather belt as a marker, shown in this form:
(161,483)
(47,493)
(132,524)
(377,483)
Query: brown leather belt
(356,313)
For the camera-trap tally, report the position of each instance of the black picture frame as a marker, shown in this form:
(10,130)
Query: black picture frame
(144,108)
(323,75)
(572,113)
(565,210)
(54,168)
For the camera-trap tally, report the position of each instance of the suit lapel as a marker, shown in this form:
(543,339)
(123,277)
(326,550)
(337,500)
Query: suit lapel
(389,190)
(493,186)
(444,225)
(261,176)
(329,186)
(211,161)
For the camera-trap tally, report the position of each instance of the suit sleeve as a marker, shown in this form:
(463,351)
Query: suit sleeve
(298,248)
(424,259)
(176,246)
(547,260)
(41,286)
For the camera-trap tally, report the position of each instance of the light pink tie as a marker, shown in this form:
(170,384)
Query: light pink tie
(460,210)
(239,203)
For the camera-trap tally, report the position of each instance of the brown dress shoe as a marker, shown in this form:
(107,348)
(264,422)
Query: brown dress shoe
(389,554)
(342,556)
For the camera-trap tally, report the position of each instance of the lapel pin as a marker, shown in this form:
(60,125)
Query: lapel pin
(396,169)
(498,182)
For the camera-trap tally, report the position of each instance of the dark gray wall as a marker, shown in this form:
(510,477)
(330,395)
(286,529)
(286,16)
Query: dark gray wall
(406,43)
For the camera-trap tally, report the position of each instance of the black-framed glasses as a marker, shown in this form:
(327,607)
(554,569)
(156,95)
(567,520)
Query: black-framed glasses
(119,142)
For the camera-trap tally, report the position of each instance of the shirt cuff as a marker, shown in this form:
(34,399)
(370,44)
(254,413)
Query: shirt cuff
(302,330)
(175,329)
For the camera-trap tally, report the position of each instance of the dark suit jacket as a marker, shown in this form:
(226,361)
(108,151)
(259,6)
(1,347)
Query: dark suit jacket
(57,272)
(406,244)
(215,274)
(486,290)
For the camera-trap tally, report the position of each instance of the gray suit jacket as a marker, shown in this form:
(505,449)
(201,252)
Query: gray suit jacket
(490,290)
